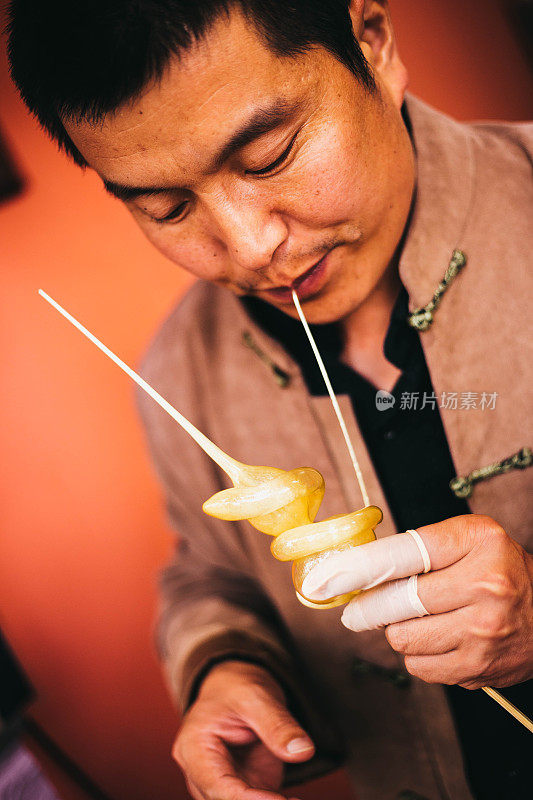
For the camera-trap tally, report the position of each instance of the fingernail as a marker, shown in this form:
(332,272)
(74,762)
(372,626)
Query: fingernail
(299,745)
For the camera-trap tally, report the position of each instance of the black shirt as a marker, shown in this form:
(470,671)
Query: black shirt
(410,454)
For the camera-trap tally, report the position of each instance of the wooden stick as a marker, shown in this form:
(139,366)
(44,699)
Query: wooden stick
(336,407)
(232,467)
(509,707)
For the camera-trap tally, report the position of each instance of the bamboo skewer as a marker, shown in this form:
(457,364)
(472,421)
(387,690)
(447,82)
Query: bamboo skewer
(509,707)
(232,467)
(333,398)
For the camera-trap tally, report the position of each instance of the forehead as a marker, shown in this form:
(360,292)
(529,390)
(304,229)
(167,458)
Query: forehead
(203,95)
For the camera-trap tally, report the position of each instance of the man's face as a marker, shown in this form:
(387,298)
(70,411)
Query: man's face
(318,183)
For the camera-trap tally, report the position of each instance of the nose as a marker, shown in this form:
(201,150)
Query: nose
(251,232)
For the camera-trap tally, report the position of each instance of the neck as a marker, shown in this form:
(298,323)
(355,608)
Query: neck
(364,331)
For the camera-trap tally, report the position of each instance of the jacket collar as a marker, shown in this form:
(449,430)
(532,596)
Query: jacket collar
(444,192)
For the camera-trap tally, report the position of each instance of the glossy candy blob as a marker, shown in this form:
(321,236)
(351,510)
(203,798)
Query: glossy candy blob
(281,503)
(284,504)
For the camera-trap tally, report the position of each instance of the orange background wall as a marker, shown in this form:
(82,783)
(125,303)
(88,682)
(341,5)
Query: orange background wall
(83,529)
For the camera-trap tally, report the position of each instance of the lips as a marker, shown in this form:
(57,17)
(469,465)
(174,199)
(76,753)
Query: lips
(304,285)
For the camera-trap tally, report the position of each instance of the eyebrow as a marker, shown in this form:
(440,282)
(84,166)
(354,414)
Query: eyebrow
(263,120)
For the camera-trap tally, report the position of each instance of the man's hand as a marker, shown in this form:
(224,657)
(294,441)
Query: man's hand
(237,734)
(479,631)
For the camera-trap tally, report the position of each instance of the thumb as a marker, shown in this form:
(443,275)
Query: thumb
(280,732)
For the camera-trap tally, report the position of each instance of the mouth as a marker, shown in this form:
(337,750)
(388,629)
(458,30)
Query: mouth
(305,285)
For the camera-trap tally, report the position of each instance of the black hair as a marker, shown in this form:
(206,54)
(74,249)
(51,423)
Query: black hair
(82,59)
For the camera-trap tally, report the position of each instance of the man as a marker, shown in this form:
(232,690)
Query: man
(265,146)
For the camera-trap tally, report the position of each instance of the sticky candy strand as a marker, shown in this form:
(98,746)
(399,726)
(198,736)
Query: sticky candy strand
(274,500)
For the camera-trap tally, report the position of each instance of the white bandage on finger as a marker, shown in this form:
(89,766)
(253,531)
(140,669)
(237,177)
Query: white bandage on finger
(422,548)
(395,601)
(366,566)
(414,599)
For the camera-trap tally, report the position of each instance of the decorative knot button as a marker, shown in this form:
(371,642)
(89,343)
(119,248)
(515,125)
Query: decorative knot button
(422,318)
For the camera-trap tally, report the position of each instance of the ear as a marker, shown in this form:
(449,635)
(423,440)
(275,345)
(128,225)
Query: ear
(372,27)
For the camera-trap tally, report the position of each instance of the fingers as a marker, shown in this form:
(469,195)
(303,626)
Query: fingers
(209,769)
(432,635)
(397,556)
(452,539)
(227,748)
(278,730)
(364,567)
(447,589)
(436,649)
(455,667)
(211,775)
(395,601)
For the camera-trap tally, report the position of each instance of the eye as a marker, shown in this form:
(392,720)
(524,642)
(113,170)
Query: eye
(173,215)
(277,163)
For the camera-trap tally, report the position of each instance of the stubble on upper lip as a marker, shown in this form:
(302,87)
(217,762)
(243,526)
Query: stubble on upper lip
(293,281)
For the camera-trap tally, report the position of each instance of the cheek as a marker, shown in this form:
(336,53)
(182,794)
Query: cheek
(335,185)
(194,252)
